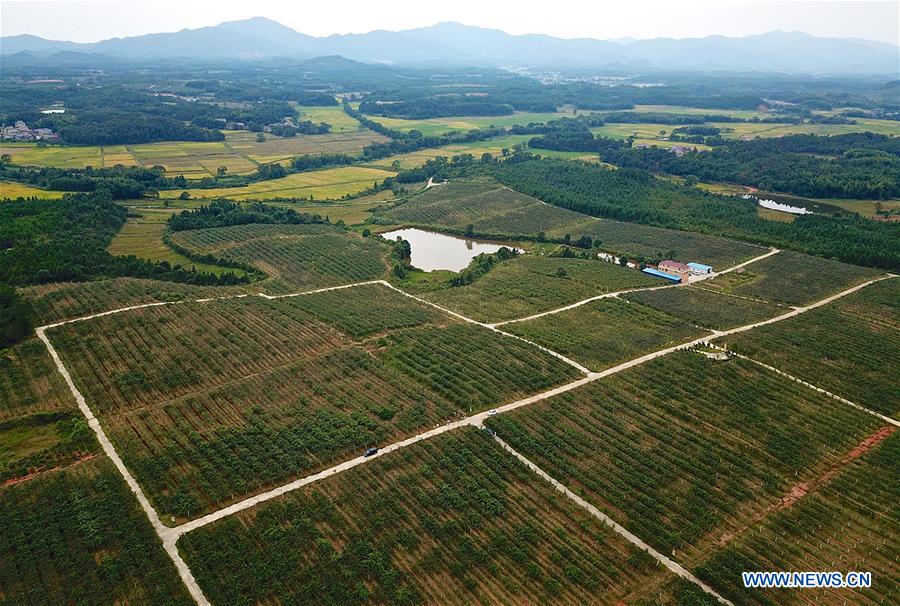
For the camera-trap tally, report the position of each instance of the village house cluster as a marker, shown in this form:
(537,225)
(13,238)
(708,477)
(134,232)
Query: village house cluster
(21,132)
(678,272)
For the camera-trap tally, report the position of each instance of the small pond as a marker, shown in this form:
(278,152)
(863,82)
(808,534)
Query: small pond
(432,250)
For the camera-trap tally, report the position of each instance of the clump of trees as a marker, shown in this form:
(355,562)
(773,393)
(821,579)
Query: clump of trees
(482,264)
(60,240)
(223,213)
(15,316)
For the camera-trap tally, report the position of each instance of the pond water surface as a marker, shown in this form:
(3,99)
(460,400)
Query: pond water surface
(432,250)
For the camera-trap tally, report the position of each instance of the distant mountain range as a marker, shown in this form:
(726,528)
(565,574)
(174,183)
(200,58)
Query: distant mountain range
(457,44)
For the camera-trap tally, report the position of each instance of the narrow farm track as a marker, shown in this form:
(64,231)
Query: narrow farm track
(619,529)
(169,536)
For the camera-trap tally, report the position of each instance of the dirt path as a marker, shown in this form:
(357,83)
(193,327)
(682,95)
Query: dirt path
(623,292)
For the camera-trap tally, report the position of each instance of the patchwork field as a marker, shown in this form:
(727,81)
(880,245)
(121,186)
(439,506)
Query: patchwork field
(239,153)
(494,210)
(494,147)
(295,257)
(280,149)
(684,451)
(847,522)
(649,133)
(791,278)
(849,347)
(78,536)
(29,382)
(604,333)
(452,521)
(529,284)
(438,126)
(334,115)
(12,190)
(141,236)
(209,402)
(327,184)
(701,307)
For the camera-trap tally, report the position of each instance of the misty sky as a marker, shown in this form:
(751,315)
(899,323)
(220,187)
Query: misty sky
(606,19)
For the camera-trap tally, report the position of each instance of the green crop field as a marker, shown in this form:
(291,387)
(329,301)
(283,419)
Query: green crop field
(209,402)
(239,153)
(650,133)
(709,309)
(848,347)
(681,109)
(29,382)
(846,524)
(78,536)
(530,284)
(66,300)
(683,450)
(327,184)
(141,236)
(54,156)
(483,203)
(644,241)
(497,211)
(437,126)
(364,311)
(452,521)
(791,278)
(12,190)
(295,257)
(472,366)
(604,333)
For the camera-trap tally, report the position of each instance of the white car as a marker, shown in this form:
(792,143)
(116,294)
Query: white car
(492,412)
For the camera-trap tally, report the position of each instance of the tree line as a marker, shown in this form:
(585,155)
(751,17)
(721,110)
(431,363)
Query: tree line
(638,197)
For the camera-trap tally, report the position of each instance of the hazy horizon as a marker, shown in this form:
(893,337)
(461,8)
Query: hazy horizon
(92,21)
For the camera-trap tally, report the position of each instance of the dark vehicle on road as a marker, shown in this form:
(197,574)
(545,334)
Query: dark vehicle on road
(371,451)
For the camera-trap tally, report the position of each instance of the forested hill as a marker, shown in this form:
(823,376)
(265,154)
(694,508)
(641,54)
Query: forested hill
(632,195)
